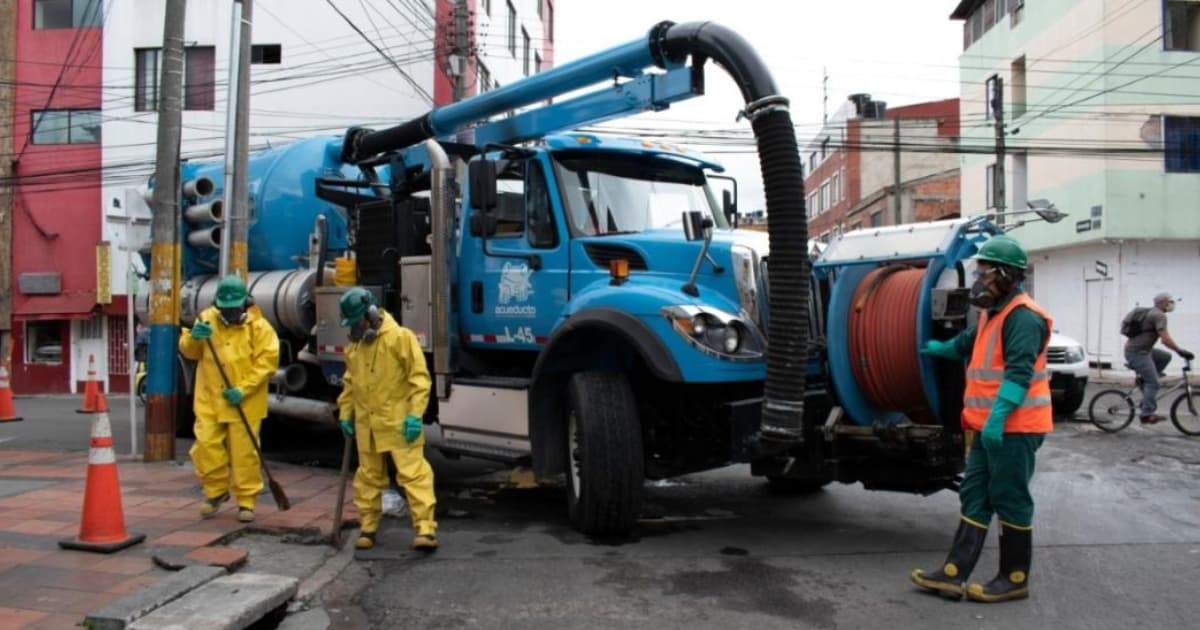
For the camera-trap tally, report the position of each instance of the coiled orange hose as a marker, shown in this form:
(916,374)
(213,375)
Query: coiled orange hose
(883,344)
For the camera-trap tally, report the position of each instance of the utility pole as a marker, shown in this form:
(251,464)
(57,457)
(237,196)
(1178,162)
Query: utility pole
(8,69)
(824,95)
(996,104)
(164,250)
(458,60)
(234,257)
(897,219)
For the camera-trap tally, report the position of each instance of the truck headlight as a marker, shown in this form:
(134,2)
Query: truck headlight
(745,266)
(1075,354)
(716,332)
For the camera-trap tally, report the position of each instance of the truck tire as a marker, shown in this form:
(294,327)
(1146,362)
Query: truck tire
(605,469)
(1071,400)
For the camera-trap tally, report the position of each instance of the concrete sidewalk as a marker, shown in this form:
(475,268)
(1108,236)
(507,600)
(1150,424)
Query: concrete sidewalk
(41,497)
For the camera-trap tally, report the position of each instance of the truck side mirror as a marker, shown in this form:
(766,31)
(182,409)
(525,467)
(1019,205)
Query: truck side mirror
(729,205)
(481,175)
(695,224)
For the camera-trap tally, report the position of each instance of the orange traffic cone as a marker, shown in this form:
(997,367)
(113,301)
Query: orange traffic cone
(7,412)
(93,395)
(102,527)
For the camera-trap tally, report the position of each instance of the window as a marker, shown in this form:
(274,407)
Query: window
(548,21)
(199,88)
(825,205)
(1018,87)
(485,79)
(538,211)
(526,51)
(1181,25)
(993,95)
(835,188)
(266,53)
(540,10)
(145,81)
(537,62)
(824,149)
(512,29)
(812,162)
(1016,11)
(92,328)
(487,7)
(49,14)
(44,342)
(66,126)
(989,14)
(1181,143)
(877,218)
(813,208)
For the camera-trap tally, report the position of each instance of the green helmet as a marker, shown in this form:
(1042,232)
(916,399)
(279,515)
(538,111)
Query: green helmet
(354,304)
(1003,250)
(231,292)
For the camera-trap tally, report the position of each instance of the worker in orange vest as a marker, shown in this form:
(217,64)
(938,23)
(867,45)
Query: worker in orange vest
(1007,405)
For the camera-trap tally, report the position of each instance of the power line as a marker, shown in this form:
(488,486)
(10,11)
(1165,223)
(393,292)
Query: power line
(416,86)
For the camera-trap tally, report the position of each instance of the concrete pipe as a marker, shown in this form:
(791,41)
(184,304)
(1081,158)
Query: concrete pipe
(205,212)
(205,237)
(302,409)
(199,187)
(291,378)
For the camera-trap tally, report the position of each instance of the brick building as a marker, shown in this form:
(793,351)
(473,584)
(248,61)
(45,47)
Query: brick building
(866,153)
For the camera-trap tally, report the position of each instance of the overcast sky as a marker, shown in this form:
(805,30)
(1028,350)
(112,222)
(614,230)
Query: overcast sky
(899,52)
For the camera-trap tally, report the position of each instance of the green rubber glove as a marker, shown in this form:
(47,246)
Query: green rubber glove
(233,395)
(347,426)
(412,428)
(941,349)
(201,331)
(1009,398)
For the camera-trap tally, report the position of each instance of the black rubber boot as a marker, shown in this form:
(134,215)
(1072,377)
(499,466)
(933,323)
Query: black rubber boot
(964,553)
(1016,554)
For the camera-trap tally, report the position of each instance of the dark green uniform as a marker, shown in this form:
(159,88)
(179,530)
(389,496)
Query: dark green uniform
(998,482)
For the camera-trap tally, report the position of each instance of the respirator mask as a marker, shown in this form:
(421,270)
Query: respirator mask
(233,316)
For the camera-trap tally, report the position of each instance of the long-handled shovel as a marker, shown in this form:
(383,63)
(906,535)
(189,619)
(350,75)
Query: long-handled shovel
(341,494)
(281,499)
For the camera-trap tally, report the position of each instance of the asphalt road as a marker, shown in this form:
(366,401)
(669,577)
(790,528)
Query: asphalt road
(1117,538)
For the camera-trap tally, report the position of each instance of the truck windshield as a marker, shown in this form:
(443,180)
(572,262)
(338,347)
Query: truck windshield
(621,193)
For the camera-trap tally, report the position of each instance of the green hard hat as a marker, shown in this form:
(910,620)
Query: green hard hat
(231,292)
(354,304)
(1003,250)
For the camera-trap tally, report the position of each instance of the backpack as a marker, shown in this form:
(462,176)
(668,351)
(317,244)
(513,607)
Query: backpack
(1134,322)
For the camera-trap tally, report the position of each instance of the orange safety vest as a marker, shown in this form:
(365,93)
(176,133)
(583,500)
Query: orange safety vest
(986,371)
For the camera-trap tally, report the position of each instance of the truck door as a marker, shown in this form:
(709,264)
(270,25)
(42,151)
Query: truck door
(511,296)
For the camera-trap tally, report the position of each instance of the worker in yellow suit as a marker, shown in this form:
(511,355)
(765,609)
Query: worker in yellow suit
(385,390)
(248,348)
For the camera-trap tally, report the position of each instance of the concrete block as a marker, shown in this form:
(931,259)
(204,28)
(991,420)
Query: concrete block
(119,614)
(315,619)
(229,558)
(232,602)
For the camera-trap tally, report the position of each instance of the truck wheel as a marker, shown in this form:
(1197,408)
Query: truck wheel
(1070,401)
(604,455)
(788,486)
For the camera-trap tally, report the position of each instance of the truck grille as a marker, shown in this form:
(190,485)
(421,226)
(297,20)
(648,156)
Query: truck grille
(1056,355)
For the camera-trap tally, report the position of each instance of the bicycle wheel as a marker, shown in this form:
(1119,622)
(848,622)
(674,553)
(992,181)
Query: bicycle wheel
(1111,410)
(1186,417)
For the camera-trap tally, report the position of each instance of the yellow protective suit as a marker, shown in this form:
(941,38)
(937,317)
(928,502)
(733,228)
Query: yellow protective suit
(250,355)
(386,380)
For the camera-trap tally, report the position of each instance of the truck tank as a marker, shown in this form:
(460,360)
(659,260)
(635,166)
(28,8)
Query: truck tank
(283,208)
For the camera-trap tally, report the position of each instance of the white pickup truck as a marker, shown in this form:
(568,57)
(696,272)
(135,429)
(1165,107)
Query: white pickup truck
(1068,365)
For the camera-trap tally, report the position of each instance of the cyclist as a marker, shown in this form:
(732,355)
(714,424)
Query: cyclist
(1146,360)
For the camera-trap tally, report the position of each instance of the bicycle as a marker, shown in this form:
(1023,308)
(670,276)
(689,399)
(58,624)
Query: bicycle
(1113,409)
